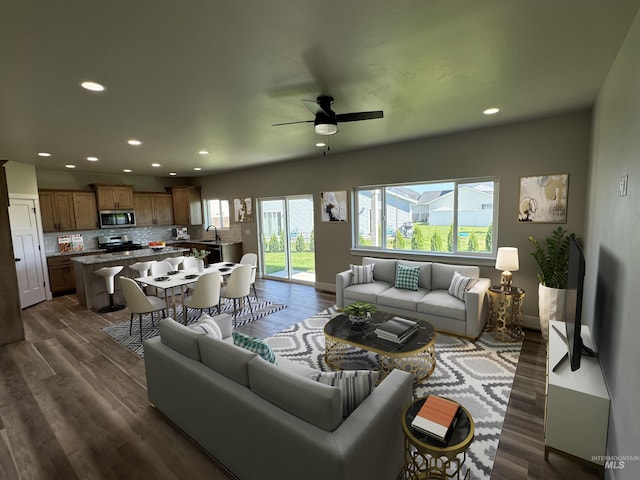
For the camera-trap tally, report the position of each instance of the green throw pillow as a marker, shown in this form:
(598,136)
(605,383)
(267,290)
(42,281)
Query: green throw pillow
(254,345)
(407,277)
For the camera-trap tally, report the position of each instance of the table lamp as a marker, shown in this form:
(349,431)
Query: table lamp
(507,261)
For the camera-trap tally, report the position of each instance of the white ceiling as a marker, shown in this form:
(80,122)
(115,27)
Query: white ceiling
(207,74)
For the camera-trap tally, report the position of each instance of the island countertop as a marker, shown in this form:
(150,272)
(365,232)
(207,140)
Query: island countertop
(90,288)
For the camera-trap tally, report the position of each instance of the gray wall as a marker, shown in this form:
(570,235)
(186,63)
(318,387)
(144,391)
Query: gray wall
(559,144)
(612,302)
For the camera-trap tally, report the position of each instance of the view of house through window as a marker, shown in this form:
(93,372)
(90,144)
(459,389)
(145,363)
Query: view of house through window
(217,213)
(455,217)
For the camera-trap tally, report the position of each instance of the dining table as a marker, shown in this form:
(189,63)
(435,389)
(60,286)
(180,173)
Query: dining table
(179,279)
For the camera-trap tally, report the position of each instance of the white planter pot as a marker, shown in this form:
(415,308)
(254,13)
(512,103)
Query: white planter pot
(551,302)
(200,265)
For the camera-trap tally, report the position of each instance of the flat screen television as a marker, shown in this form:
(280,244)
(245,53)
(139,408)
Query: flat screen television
(573,307)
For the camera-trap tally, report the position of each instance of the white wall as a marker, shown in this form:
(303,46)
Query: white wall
(612,302)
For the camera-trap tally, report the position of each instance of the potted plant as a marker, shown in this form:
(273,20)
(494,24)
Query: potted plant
(359,312)
(552,257)
(200,255)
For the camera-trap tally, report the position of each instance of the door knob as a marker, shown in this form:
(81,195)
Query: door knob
(17,259)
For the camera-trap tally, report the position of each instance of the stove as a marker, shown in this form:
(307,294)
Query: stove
(118,243)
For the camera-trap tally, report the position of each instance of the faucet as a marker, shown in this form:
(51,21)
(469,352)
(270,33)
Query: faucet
(217,238)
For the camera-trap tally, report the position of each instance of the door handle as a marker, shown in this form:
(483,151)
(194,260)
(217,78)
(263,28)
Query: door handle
(17,259)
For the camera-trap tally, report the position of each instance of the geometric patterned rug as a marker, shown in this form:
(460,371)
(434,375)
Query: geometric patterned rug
(120,331)
(478,375)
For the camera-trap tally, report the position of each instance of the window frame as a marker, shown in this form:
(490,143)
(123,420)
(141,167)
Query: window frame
(207,212)
(455,253)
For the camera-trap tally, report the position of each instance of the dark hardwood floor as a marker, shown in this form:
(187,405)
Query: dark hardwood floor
(73,402)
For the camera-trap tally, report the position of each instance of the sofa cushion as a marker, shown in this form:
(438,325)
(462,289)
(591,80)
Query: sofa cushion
(407,277)
(207,325)
(385,268)
(366,292)
(255,345)
(226,358)
(180,338)
(313,402)
(460,284)
(404,299)
(439,302)
(361,274)
(425,272)
(354,385)
(442,274)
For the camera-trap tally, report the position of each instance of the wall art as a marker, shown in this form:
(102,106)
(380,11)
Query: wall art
(543,199)
(334,206)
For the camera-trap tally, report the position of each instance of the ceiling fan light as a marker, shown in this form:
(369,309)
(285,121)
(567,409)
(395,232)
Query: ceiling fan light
(326,129)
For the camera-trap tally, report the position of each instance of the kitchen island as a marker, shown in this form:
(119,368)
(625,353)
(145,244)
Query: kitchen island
(90,288)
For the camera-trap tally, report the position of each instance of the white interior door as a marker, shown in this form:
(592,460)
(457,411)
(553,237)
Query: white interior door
(26,250)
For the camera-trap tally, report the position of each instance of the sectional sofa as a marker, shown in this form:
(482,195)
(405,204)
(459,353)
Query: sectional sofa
(261,420)
(454,305)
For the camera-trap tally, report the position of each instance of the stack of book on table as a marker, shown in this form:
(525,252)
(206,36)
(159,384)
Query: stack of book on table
(437,417)
(396,329)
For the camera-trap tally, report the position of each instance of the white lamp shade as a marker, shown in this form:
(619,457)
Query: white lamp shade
(507,259)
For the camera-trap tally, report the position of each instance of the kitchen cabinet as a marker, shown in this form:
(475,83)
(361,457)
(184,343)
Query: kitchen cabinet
(153,208)
(187,205)
(114,197)
(61,274)
(63,210)
(85,211)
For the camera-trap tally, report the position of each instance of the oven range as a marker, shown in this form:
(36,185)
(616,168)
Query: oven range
(118,243)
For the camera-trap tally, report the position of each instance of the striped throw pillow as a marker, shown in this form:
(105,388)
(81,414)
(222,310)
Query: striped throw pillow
(460,284)
(207,326)
(354,385)
(407,277)
(362,274)
(254,345)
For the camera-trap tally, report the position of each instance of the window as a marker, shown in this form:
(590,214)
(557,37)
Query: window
(451,218)
(217,213)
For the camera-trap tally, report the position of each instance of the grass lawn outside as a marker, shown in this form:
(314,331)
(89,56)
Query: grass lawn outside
(300,261)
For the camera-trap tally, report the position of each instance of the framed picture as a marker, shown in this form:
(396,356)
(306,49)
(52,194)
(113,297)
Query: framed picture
(243,209)
(334,206)
(543,199)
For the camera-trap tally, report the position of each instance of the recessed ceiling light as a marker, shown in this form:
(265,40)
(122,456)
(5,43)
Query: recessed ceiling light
(134,142)
(92,159)
(321,144)
(70,166)
(491,111)
(173,174)
(156,165)
(127,170)
(197,169)
(204,152)
(44,154)
(92,86)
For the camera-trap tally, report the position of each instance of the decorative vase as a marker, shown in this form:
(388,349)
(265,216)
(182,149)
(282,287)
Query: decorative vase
(200,265)
(551,302)
(358,322)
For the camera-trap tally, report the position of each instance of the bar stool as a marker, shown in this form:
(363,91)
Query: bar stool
(109,273)
(175,261)
(142,267)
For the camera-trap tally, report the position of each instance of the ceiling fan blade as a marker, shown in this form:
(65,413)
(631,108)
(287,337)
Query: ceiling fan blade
(357,116)
(291,123)
(313,106)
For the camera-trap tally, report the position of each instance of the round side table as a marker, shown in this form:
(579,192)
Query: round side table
(505,313)
(426,457)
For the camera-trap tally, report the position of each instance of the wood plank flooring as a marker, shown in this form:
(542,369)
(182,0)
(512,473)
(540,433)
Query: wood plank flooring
(73,402)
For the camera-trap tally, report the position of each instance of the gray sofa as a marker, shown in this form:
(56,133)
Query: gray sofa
(431,301)
(261,420)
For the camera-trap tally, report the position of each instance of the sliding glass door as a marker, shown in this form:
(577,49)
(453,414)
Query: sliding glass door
(287,250)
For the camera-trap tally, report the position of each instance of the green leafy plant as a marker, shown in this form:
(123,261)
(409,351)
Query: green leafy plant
(552,258)
(199,254)
(359,309)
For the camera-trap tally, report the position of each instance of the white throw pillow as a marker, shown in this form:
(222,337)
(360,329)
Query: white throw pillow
(362,274)
(460,285)
(207,325)
(354,385)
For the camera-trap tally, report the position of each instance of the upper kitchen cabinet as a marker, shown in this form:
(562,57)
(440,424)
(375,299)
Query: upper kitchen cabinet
(153,208)
(63,210)
(187,205)
(114,197)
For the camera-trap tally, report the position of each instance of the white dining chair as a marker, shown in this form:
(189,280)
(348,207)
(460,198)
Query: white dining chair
(251,259)
(206,293)
(108,274)
(238,287)
(190,262)
(140,303)
(161,267)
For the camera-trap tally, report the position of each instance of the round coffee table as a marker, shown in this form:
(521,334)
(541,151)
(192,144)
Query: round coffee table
(426,457)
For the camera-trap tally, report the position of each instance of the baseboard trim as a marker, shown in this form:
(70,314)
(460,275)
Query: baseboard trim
(326,287)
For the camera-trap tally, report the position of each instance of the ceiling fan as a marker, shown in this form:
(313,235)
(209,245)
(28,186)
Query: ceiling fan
(326,120)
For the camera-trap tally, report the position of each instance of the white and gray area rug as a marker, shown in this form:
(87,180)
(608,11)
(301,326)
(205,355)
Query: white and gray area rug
(476,374)
(120,331)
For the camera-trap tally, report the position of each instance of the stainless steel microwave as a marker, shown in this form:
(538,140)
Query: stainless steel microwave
(117,218)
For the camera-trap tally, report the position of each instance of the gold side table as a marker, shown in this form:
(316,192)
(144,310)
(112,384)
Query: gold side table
(426,457)
(505,313)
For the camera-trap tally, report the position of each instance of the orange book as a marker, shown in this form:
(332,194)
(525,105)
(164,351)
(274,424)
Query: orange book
(436,417)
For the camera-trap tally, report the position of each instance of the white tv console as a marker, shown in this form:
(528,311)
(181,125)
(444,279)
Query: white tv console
(577,404)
